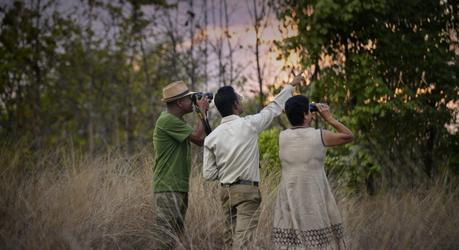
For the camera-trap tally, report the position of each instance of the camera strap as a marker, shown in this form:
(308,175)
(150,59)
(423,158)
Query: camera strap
(204,120)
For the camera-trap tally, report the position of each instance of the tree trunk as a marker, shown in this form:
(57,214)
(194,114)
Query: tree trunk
(35,89)
(257,53)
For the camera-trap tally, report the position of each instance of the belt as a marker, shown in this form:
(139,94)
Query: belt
(240,182)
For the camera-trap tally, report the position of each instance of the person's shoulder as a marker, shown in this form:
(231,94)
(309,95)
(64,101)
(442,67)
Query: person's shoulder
(167,118)
(298,132)
(285,132)
(318,132)
(163,116)
(160,120)
(210,138)
(215,132)
(311,131)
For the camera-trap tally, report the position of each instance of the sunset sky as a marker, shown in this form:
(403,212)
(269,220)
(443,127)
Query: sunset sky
(240,28)
(243,39)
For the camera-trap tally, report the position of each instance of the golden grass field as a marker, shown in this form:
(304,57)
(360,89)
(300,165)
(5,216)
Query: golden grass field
(66,200)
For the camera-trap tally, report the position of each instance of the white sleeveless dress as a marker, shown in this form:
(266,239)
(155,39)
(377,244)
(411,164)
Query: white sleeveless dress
(306,215)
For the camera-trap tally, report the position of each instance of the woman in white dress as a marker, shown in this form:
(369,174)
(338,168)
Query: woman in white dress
(306,215)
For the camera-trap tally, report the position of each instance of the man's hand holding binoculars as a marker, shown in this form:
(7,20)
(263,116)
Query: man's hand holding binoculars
(203,104)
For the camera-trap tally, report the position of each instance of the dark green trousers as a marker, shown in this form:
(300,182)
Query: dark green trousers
(170,211)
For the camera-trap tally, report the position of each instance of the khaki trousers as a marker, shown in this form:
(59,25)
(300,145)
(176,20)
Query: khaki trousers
(169,217)
(241,205)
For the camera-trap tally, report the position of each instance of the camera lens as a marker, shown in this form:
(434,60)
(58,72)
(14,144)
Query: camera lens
(197,96)
(313,107)
(209,95)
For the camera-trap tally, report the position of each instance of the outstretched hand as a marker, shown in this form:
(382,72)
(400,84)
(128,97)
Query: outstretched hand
(297,80)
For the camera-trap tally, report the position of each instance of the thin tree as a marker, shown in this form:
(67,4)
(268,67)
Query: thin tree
(259,12)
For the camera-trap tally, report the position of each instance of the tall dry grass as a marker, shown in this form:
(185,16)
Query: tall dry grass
(75,202)
(68,201)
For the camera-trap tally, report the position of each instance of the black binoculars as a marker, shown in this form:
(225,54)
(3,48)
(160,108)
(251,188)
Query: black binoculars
(313,107)
(194,98)
(198,95)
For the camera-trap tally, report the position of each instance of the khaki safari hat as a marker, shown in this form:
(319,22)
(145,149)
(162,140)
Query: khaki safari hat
(175,90)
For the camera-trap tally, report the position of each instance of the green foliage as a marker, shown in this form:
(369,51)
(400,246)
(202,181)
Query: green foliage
(390,73)
(75,77)
(353,167)
(268,143)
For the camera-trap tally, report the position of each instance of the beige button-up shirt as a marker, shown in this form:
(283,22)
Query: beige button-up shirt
(231,150)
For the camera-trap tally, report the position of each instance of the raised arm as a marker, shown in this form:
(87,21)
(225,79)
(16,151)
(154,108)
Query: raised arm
(342,135)
(262,120)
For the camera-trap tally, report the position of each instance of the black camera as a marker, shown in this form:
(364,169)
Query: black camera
(313,107)
(198,95)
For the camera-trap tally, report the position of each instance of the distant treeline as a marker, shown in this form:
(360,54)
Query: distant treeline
(93,70)
(388,69)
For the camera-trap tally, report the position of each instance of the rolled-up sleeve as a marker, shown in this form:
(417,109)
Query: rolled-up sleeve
(209,171)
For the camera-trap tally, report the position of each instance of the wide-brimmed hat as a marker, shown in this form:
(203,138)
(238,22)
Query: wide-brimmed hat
(175,90)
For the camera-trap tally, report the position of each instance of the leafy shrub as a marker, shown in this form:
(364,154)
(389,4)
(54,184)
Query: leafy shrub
(268,143)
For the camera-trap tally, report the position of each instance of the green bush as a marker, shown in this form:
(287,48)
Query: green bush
(268,143)
(350,165)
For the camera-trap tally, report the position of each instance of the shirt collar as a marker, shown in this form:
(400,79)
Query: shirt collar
(229,118)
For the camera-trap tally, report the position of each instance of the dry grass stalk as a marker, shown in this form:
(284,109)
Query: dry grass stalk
(106,203)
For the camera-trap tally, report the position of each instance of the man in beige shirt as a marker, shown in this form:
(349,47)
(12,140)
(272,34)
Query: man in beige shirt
(231,156)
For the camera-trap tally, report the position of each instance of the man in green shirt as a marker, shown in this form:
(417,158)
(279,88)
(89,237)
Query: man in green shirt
(171,141)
